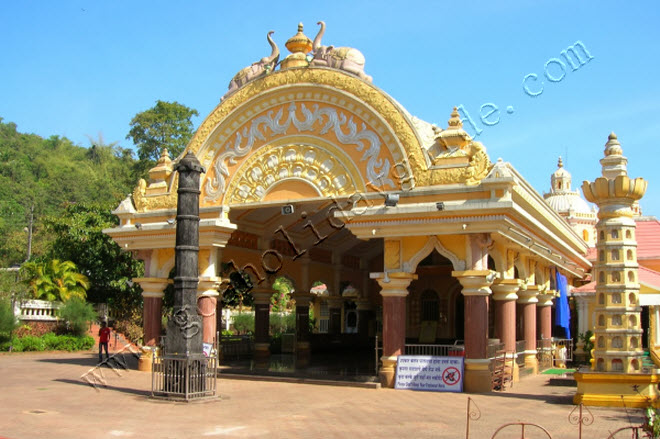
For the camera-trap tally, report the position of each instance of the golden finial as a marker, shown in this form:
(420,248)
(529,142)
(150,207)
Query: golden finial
(299,43)
(560,163)
(164,157)
(455,120)
(613,147)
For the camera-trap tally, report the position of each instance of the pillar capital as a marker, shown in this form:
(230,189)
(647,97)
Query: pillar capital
(208,286)
(475,282)
(529,294)
(152,286)
(393,284)
(505,289)
(262,295)
(545,298)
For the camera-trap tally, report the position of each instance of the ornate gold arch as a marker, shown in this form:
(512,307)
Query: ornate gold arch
(375,133)
(292,113)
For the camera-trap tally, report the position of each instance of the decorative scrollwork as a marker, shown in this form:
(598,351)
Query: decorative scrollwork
(181,318)
(317,119)
(473,411)
(580,417)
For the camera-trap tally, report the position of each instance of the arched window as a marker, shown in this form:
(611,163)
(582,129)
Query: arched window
(430,310)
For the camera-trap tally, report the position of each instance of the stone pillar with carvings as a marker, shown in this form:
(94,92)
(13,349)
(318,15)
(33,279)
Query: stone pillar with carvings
(394,291)
(527,297)
(476,289)
(261,324)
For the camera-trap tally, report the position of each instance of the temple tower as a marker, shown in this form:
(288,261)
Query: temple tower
(618,346)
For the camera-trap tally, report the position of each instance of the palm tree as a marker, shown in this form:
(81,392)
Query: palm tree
(55,280)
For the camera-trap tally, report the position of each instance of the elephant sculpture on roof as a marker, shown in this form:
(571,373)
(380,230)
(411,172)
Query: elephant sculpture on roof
(344,58)
(263,66)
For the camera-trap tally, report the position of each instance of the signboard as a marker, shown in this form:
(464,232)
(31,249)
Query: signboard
(433,374)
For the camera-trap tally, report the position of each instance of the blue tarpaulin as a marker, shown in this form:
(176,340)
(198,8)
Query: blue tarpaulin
(563,312)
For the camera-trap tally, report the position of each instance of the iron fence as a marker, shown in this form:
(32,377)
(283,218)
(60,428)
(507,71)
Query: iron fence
(437,350)
(237,347)
(184,377)
(554,352)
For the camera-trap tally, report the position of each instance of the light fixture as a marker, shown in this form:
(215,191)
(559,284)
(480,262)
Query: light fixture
(171,221)
(391,200)
(287,209)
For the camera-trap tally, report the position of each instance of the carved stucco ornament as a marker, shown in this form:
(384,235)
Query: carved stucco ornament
(391,113)
(146,203)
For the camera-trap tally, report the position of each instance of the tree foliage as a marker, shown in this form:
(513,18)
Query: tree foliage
(77,314)
(165,125)
(47,174)
(55,280)
(78,236)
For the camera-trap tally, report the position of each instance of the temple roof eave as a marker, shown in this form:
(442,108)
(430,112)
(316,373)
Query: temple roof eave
(504,218)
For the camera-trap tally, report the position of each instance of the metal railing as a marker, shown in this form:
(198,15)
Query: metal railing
(554,352)
(237,347)
(184,378)
(436,350)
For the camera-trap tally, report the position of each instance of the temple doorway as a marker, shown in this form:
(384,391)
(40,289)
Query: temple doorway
(432,303)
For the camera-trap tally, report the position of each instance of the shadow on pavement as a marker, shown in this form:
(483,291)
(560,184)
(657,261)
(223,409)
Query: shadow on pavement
(101,387)
(129,360)
(549,399)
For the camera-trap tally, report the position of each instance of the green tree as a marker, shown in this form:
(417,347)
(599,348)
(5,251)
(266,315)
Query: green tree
(49,174)
(79,237)
(55,280)
(77,314)
(166,125)
(7,320)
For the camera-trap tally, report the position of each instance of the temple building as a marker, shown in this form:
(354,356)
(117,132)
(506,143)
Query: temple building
(314,173)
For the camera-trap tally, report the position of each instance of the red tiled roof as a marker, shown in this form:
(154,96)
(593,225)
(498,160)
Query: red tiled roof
(648,239)
(647,277)
(591,254)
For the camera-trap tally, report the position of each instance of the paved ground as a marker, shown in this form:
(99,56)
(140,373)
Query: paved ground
(43,395)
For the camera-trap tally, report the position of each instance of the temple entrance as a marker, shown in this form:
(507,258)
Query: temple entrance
(432,303)
(328,268)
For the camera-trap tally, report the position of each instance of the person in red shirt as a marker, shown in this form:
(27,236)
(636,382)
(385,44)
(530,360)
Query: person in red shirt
(104,338)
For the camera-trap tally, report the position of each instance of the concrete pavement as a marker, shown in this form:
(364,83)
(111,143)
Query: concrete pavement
(43,395)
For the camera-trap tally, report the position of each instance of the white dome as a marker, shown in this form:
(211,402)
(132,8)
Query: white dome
(568,202)
(561,198)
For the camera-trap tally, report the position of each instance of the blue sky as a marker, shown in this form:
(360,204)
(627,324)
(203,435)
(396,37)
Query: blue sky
(80,68)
